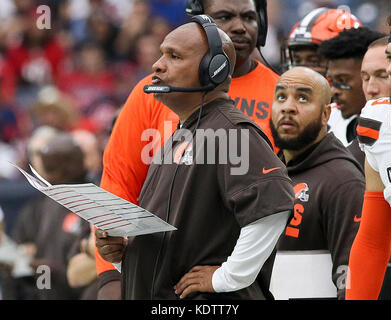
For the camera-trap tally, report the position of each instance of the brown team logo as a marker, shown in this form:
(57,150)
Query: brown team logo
(301,192)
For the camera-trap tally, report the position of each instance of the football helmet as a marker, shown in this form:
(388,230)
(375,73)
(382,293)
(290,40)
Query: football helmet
(317,26)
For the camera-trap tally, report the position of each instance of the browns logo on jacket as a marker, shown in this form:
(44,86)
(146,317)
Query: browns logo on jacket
(329,188)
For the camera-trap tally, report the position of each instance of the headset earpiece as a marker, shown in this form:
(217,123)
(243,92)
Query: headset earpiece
(214,67)
(194,7)
(261,6)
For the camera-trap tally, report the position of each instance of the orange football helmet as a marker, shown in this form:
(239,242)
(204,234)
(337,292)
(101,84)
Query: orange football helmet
(317,26)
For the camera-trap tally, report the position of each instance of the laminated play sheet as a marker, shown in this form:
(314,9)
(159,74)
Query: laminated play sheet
(106,211)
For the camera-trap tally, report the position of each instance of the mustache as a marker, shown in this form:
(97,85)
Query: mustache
(287,118)
(336,100)
(241,39)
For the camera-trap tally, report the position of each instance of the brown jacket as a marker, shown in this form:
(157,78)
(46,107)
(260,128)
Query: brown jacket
(208,205)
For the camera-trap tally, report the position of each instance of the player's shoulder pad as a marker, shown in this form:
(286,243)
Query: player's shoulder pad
(377,109)
(371,119)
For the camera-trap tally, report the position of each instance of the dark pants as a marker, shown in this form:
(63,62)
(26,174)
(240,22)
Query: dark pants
(385,293)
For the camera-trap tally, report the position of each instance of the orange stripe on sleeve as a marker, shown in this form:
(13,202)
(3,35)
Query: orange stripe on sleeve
(381,101)
(367,132)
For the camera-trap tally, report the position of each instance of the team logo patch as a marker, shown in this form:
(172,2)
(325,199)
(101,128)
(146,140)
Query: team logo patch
(71,223)
(184,154)
(301,192)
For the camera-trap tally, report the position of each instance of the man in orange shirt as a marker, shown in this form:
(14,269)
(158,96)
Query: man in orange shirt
(133,144)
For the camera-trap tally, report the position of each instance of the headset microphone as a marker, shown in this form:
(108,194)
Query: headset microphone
(166,89)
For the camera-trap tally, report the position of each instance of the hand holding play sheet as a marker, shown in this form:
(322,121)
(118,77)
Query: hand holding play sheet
(108,212)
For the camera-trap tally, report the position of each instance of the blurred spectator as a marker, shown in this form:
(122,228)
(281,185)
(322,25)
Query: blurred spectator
(40,138)
(48,228)
(147,53)
(36,58)
(137,46)
(271,50)
(89,79)
(7,9)
(8,132)
(92,154)
(173,11)
(91,85)
(132,27)
(7,80)
(160,28)
(128,73)
(14,192)
(81,269)
(103,32)
(54,109)
(7,154)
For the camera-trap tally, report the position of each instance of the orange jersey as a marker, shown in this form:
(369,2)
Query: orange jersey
(145,124)
(253,95)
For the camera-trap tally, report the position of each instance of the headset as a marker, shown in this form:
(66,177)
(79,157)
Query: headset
(214,66)
(195,7)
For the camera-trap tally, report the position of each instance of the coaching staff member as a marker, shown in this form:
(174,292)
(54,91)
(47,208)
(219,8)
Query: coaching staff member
(328,181)
(252,89)
(228,225)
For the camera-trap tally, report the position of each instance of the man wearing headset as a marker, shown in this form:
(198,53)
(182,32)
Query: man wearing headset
(227,223)
(252,89)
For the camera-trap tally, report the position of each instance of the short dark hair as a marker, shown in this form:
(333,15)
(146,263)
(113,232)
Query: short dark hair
(352,43)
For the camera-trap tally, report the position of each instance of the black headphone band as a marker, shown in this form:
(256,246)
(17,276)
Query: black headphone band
(212,34)
(214,67)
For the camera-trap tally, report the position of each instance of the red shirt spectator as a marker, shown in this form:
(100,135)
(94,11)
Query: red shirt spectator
(90,80)
(36,62)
